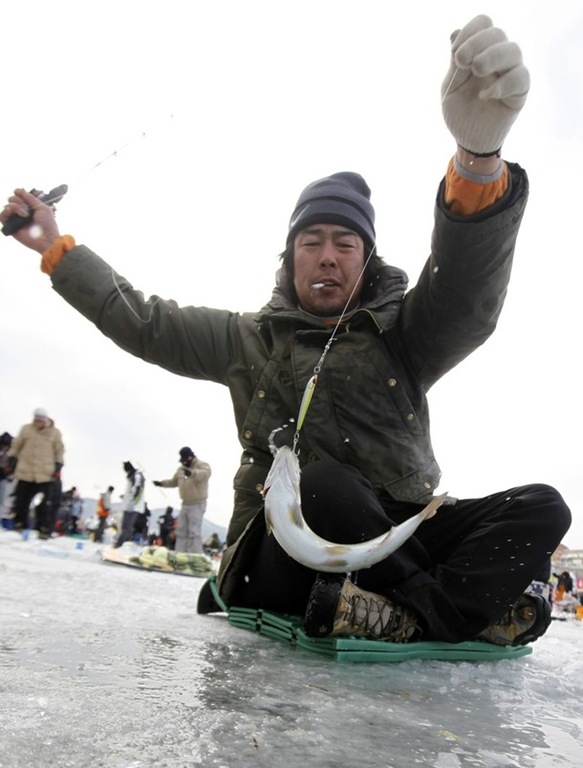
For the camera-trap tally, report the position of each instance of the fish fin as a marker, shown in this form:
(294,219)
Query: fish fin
(268,523)
(433,506)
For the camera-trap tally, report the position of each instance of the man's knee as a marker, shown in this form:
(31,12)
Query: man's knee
(331,479)
(547,503)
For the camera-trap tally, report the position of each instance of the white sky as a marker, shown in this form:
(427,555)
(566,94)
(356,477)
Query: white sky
(219,114)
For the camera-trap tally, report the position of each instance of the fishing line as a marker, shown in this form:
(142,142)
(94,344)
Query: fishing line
(447,90)
(159,489)
(311,385)
(129,306)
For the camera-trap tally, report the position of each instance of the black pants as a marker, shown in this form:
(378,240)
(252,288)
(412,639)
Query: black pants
(23,496)
(461,570)
(127,527)
(100,530)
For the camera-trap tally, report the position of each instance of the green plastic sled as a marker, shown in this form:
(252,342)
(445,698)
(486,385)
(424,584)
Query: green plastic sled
(351,649)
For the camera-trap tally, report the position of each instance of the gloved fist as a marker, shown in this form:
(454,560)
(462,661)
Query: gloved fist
(485,88)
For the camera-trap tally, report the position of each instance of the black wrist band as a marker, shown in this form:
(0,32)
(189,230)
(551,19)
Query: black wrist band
(496,153)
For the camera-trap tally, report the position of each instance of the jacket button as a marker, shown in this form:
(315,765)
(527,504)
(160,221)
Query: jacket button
(261,394)
(247,434)
(392,382)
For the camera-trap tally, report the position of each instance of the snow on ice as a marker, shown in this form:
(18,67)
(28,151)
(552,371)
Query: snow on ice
(102,665)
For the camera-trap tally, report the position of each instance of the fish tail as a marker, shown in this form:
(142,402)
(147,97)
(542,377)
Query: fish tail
(433,506)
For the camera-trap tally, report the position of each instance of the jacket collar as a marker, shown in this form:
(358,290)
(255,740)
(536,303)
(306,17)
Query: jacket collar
(382,308)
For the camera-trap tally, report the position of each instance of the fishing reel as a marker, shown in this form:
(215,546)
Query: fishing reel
(16,222)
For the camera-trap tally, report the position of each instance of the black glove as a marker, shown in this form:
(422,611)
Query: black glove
(157,483)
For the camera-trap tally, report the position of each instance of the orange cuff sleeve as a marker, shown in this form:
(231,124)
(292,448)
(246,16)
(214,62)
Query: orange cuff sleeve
(466,197)
(53,255)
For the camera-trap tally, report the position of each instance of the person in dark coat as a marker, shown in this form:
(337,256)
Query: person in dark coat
(166,525)
(340,315)
(6,469)
(565,584)
(141,523)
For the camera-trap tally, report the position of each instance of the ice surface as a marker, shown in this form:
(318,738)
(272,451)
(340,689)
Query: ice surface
(102,665)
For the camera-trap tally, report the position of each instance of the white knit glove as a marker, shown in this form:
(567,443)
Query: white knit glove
(485,88)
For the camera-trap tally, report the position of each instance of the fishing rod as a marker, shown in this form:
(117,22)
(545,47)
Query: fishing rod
(16,222)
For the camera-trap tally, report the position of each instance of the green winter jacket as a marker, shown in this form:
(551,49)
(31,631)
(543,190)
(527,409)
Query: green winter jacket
(369,408)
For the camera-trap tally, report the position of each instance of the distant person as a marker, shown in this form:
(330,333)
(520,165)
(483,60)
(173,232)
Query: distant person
(54,501)
(5,469)
(166,526)
(140,534)
(76,510)
(564,586)
(191,478)
(132,500)
(63,524)
(103,512)
(38,454)
(212,544)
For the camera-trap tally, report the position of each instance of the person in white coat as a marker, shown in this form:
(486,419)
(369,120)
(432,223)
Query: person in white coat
(132,501)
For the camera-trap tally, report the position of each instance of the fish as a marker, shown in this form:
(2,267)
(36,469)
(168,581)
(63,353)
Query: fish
(284,519)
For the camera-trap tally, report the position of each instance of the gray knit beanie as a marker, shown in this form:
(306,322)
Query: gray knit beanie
(343,198)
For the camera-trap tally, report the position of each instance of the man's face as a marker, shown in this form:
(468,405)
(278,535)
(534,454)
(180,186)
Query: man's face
(330,256)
